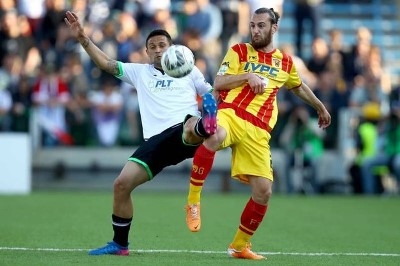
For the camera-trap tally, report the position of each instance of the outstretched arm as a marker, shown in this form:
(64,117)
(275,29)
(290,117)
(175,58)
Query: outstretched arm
(99,57)
(305,93)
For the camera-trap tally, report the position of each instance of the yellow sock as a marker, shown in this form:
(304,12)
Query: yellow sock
(194,194)
(240,241)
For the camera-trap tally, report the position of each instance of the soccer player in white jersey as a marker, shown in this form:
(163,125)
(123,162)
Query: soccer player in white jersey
(170,117)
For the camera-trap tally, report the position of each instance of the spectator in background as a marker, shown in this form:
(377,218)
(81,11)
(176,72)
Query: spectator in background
(5,102)
(205,19)
(303,142)
(13,68)
(79,119)
(304,72)
(366,138)
(7,5)
(131,111)
(335,42)
(336,46)
(148,19)
(22,105)
(107,104)
(97,12)
(34,11)
(130,45)
(123,5)
(211,38)
(235,21)
(369,85)
(79,7)
(286,100)
(203,65)
(192,39)
(319,59)
(375,70)
(336,57)
(78,115)
(366,90)
(335,98)
(15,42)
(52,22)
(72,73)
(164,20)
(108,37)
(355,60)
(193,18)
(306,11)
(128,36)
(150,7)
(387,156)
(211,12)
(50,97)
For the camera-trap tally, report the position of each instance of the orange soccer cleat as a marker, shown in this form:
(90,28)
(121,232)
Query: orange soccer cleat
(193,219)
(246,253)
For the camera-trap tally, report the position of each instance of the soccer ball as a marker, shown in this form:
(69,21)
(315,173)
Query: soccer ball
(177,61)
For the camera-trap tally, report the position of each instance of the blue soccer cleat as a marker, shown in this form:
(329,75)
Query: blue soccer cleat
(209,113)
(111,248)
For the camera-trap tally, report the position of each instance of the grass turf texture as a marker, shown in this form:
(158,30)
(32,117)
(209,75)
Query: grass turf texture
(58,228)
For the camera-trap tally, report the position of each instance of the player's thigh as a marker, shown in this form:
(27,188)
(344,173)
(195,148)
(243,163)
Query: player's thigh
(162,150)
(132,175)
(252,156)
(234,127)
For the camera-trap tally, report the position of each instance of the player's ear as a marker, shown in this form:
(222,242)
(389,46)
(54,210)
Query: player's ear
(274,28)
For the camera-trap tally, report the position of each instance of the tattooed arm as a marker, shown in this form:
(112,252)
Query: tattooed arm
(102,60)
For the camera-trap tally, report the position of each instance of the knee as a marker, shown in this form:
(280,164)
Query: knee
(188,127)
(212,142)
(262,195)
(122,186)
(215,141)
(267,194)
(189,134)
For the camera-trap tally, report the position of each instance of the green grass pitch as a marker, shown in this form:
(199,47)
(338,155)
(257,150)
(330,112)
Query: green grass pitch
(58,228)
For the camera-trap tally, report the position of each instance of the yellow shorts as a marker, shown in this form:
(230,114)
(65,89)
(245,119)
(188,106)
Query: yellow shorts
(251,154)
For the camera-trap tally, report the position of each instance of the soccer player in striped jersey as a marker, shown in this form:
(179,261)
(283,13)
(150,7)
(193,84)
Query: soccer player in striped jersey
(172,126)
(248,80)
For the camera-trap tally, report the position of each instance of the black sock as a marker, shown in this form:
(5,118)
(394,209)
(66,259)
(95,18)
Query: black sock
(121,228)
(199,129)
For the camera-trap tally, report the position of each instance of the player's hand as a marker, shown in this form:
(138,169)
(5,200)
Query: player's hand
(324,119)
(73,23)
(256,83)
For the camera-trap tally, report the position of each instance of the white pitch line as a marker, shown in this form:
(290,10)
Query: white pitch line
(317,254)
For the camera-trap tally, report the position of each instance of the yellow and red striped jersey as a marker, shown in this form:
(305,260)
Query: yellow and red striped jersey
(275,68)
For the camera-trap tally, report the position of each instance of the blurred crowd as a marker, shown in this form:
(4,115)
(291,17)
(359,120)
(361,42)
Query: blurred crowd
(45,73)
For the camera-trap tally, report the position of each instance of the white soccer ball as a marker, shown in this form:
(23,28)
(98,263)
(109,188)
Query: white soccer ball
(177,61)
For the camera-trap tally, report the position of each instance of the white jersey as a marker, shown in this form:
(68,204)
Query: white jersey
(163,101)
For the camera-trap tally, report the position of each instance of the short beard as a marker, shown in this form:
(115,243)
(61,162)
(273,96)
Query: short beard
(263,42)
